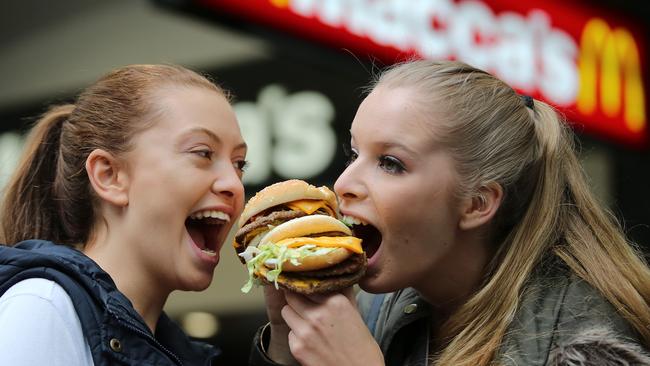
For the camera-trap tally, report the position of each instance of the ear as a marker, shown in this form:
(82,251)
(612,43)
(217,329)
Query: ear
(481,208)
(107,177)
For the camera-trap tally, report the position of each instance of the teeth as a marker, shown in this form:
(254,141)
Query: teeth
(209,252)
(210,214)
(354,220)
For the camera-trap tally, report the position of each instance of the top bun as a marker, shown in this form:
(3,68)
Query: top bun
(283,192)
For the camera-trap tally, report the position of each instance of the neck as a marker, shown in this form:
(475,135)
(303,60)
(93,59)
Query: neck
(146,295)
(457,278)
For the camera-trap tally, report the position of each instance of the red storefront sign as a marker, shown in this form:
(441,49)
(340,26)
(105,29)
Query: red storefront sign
(586,62)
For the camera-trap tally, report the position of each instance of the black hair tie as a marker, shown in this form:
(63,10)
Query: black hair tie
(528,101)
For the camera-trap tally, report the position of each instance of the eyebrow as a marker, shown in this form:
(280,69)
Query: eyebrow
(212,136)
(392,145)
(396,145)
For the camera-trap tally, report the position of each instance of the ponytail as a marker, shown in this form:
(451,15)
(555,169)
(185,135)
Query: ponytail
(28,209)
(572,225)
(595,248)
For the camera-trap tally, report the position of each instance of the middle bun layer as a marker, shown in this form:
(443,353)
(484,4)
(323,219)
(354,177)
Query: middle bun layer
(305,226)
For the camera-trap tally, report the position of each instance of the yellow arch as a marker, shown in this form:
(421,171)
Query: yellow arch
(618,56)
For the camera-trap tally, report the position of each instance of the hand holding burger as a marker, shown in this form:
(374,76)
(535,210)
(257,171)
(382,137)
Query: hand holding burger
(290,235)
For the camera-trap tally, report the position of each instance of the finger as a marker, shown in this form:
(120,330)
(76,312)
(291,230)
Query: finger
(295,322)
(299,303)
(295,344)
(270,290)
(298,348)
(322,298)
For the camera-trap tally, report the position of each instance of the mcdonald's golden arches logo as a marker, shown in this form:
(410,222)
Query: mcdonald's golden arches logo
(613,55)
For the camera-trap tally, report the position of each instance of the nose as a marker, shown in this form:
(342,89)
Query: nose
(350,185)
(227,183)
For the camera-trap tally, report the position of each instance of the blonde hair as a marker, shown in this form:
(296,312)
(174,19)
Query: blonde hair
(49,196)
(494,137)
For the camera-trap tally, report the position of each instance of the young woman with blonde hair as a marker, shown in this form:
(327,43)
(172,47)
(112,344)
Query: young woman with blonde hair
(120,198)
(481,231)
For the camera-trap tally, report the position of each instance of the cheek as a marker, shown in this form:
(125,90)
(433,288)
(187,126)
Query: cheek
(240,205)
(411,230)
(183,180)
(421,221)
(164,190)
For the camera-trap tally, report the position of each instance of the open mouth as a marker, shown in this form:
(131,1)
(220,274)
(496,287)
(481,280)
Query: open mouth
(205,228)
(370,236)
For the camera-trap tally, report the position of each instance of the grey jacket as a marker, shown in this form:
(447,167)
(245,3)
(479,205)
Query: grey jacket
(562,321)
(558,313)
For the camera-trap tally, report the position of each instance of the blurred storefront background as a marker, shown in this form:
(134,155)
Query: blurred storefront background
(298,69)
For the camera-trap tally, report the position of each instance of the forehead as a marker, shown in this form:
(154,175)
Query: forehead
(177,107)
(176,110)
(182,103)
(389,114)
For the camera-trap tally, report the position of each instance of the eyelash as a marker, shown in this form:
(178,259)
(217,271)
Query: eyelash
(388,163)
(204,153)
(350,154)
(391,164)
(241,165)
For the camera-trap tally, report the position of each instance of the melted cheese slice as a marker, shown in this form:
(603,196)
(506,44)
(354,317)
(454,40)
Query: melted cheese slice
(348,242)
(309,206)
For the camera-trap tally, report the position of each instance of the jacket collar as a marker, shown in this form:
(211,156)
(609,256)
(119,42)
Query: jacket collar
(406,307)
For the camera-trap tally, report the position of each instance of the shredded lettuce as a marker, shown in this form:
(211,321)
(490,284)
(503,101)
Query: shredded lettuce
(274,256)
(347,221)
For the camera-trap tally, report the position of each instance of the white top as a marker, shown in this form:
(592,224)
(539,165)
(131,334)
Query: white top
(39,326)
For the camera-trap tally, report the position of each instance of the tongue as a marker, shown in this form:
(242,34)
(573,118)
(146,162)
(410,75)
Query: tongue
(211,234)
(197,236)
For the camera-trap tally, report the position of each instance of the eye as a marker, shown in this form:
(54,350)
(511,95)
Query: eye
(204,153)
(391,164)
(350,153)
(241,165)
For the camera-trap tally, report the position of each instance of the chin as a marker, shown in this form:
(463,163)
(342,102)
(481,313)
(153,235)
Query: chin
(378,282)
(199,281)
(201,286)
(372,285)
(196,286)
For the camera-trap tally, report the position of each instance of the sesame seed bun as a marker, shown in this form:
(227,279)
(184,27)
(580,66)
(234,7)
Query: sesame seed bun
(283,192)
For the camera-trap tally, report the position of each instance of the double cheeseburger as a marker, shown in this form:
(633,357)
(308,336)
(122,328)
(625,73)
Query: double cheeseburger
(290,235)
